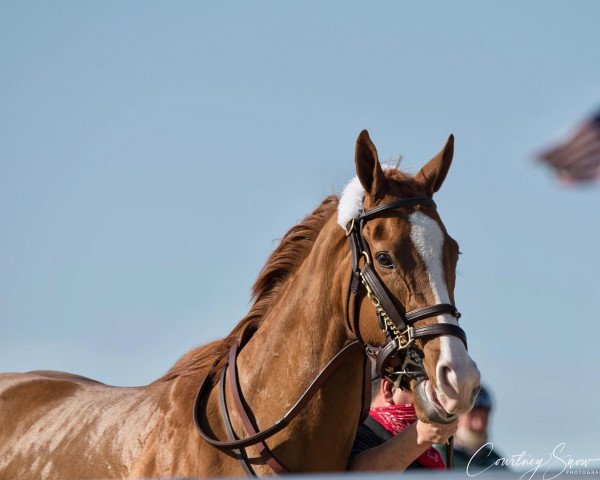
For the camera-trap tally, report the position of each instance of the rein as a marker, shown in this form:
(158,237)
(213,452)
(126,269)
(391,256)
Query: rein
(257,438)
(398,360)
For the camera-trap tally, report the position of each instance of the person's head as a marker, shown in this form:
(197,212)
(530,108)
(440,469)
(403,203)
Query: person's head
(383,393)
(472,430)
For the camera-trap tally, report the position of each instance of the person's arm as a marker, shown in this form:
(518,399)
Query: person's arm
(399,452)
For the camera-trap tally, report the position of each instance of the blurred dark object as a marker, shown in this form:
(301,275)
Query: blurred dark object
(577,159)
(483,399)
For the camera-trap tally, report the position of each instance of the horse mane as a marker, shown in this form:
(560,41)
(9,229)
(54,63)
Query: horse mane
(285,260)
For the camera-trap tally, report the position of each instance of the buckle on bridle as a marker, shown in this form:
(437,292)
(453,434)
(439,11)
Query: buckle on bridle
(366,255)
(404,339)
(350,227)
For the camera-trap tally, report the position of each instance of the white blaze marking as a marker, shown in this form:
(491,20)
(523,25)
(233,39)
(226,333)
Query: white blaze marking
(428,238)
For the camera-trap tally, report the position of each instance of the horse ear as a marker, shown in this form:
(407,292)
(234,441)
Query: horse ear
(368,168)
(432,175)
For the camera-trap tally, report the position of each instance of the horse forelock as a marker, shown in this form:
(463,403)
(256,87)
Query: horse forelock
(293,249)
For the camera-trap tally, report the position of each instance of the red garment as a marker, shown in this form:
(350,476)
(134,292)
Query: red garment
(395,418)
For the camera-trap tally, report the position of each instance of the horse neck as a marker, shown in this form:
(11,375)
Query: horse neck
(306,323)
(297,338)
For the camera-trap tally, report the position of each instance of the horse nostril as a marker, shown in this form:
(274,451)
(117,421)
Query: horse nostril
(444,380)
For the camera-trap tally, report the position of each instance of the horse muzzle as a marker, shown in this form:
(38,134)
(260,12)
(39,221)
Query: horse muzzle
(428,405)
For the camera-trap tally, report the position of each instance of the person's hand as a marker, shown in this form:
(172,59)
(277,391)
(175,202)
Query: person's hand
(429,433)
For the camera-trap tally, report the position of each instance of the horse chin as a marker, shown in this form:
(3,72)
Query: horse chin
(427,405)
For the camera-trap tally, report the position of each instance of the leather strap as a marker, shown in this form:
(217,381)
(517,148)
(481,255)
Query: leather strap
(386,302)
(450,453)
(280,424)
(366,386)
(263,450)
(402,320)
(352,306)
(239,453)
(383,355)
(404,202)
(432,311)
(437,329)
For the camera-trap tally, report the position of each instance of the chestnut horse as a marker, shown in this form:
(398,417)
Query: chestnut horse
(56,425)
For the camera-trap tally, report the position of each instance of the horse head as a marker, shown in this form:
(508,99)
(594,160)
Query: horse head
(404,248)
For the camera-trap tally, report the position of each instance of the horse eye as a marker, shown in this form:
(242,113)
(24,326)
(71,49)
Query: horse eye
(385,260)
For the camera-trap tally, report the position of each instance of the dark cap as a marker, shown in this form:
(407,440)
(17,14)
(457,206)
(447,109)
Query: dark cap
(483,399)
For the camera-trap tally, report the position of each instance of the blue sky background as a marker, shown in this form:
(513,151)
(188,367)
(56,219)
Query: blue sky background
(151,154)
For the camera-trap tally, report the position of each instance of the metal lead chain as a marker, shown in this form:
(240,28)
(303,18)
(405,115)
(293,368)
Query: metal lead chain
(401,339)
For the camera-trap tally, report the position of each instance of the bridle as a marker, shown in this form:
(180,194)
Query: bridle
(397,360)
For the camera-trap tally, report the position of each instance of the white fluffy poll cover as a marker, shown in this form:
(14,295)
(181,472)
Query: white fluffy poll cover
(351,201)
